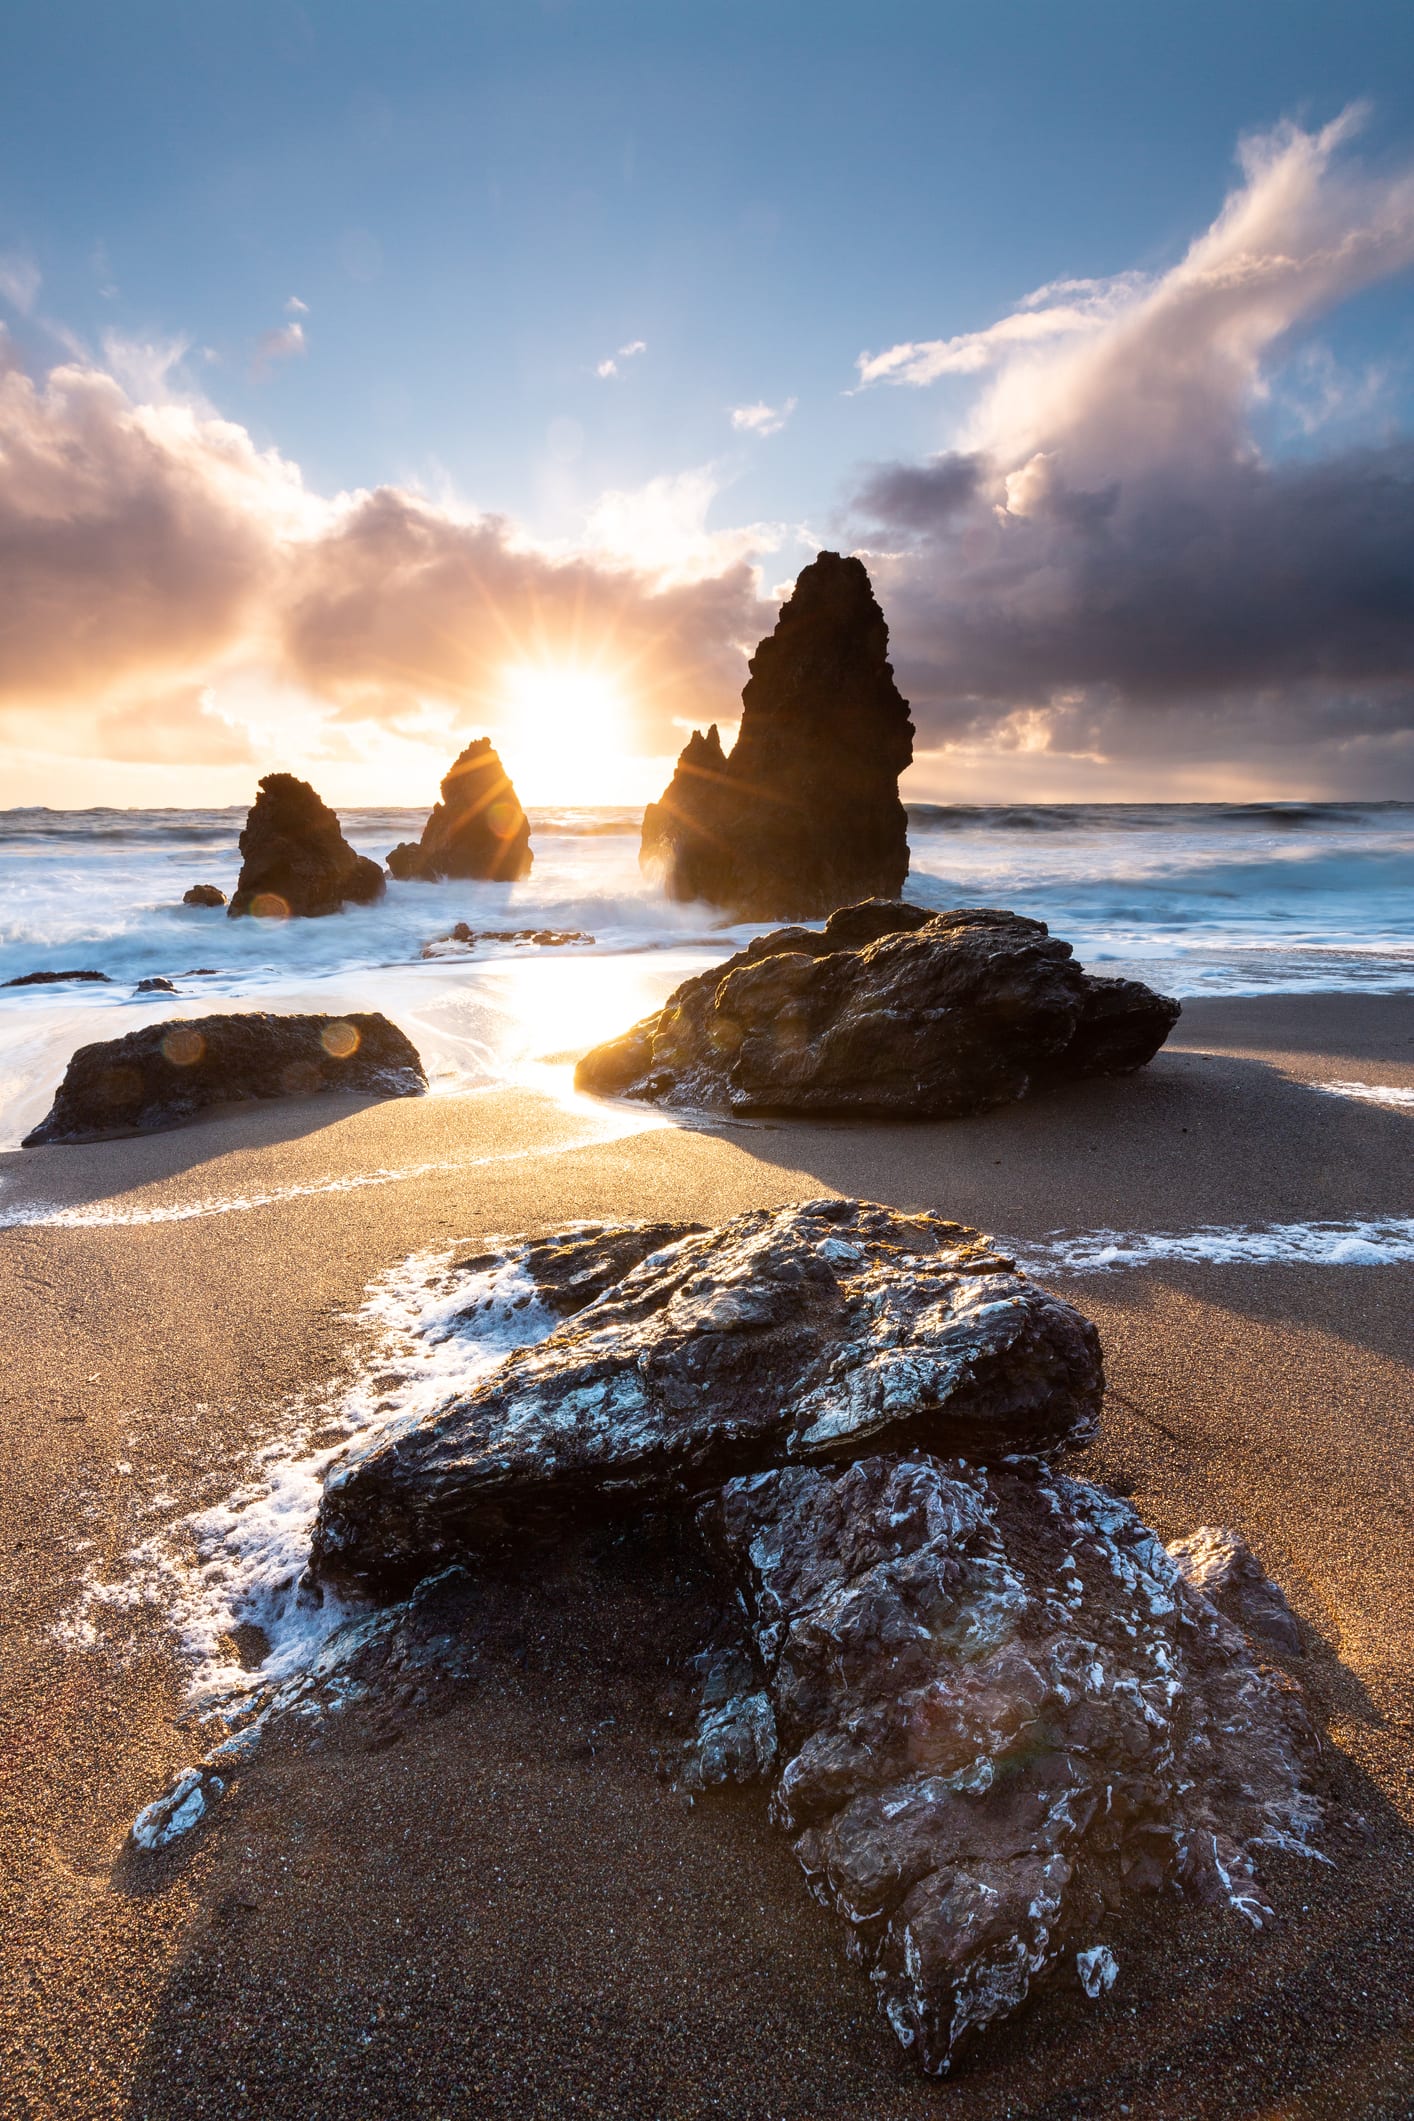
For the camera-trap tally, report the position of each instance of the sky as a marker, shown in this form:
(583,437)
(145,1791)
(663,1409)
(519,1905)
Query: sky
(373,376)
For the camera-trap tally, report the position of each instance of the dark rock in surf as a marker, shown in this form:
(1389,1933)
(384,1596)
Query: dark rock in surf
(461,940)
(156,985)
(203,895)
(477,830)
(166,1073)
(889,1011)
(805,814)
(1001,1714)
(1218,1562)
(52,979)
(796,1334)
(295,859)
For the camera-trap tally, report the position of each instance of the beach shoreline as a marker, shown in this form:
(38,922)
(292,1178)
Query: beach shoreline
(168,1299)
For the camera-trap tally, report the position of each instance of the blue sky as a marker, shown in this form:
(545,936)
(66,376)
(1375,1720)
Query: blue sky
(476,206)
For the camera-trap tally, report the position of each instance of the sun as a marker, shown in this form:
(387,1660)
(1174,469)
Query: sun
(564,733)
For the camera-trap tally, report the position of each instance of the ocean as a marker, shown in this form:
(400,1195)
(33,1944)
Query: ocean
(1196,898)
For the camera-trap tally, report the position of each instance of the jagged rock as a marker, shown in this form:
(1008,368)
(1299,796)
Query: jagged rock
(295,859)
(156,985)
(203,895)
(165,1073)
(477,830)
(1002,1713)
(50,979)
(459,941)
(805,814)
(801,1333)
(889,1010)
(1218,1562)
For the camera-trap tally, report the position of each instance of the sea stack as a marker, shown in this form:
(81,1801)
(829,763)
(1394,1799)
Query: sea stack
(477,830)
(804,815)
(295,859)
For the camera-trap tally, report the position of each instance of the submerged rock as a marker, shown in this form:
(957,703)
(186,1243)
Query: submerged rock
(889,1010)
(804,815)
(802,1333)
(477,830)
(51,979)
(204,895)
(1002,1714)
(295,859)
(165,1073)
(461,940)
(156,985)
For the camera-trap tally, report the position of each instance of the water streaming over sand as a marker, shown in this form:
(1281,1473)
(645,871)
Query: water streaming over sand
(1196,898)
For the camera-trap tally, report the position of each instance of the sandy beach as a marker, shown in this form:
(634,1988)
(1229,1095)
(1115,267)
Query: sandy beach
(490,1901)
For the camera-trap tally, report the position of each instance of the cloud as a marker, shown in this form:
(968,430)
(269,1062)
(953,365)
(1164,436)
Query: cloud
(762,419)
(281,344)
(295,308)
(1033,323)
(154,561)
(1108,565)
(19,281)
(610,365)
(661,529)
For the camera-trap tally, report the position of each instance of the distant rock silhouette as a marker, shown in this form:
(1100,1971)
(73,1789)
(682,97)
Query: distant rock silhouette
(477,830)
(804,816)
(204,895)
(52,979)
(295,859)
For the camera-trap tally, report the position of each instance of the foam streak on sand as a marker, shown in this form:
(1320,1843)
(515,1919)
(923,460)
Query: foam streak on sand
(97,1215)
(1378,1241)
(1371,1093)
(238,1562)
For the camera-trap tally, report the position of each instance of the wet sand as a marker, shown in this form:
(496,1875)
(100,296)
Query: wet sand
(489,1902)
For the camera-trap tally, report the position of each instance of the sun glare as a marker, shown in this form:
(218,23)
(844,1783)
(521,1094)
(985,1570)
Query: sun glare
(564,735)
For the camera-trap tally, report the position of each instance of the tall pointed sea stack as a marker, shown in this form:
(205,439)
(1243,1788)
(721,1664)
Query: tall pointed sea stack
(477,830)
(294,857)
(804,816)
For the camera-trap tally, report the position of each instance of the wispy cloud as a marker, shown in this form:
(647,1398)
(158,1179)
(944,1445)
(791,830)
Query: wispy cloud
(295,308)
(19,281)
(609,366)
(282,344)
(762,419)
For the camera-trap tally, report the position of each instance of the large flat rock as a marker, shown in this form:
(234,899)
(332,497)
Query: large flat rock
(685,1357)
(889,1010)
(166,1073)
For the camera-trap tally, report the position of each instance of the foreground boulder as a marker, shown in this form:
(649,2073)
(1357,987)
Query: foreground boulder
(165,1073)
(996,1711)
(890,1010)
(477,830)
(804,815)
(295,859)
(203,895)
(799,1334)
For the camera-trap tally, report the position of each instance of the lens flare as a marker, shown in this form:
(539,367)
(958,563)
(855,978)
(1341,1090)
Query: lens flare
(183,1047)
(340,1040)
(269,906)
